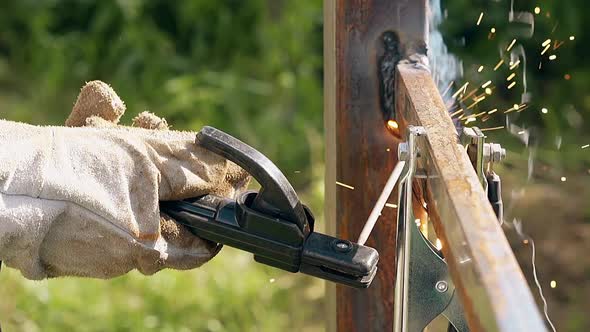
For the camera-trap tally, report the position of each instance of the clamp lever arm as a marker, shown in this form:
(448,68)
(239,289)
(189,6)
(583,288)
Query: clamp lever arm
(271,223)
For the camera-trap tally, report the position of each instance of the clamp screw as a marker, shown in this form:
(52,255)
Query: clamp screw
(342,245)
(442,286)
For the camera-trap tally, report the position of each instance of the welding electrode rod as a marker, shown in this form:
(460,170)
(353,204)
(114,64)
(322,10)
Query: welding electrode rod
(389,185)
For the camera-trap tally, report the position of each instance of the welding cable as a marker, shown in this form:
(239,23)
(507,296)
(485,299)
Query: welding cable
(389,185)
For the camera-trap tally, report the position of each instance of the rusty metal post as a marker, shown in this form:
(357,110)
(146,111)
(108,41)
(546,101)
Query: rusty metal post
(360,151)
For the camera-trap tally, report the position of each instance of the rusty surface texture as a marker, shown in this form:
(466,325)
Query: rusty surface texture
(360,152)
(491,285)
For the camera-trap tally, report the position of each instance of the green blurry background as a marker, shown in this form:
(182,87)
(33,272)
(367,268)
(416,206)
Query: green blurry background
(254,69)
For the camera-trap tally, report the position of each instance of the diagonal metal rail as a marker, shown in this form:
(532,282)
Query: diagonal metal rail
(491,286)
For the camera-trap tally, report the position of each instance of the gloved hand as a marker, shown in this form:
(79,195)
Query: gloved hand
(84,201)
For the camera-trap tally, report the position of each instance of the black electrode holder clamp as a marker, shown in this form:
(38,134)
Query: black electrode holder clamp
(272,224)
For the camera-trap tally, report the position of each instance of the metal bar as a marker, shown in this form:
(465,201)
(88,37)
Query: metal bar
(376,212)
(491,286)
(403,243)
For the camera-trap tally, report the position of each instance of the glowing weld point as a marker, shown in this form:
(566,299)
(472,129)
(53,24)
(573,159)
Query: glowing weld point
(563,179)
(438,244)
(537,10)
(479,19)
(553,283)
(544,110)
(552,57)
(392,124)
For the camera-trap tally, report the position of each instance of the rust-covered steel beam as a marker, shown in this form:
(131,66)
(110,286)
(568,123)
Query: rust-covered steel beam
(360,152)
(491,286)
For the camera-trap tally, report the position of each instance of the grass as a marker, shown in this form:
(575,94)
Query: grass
(231,293)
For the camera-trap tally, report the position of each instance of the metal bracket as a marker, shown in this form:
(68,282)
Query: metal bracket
(423,286)
(483,156)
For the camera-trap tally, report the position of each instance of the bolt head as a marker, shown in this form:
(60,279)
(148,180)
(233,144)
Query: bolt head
(442,286)
(342,245)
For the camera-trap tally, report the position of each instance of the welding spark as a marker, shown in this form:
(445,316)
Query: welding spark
(544,110)
(493,111)
(457,113)
(546,42)
(345,185)
(389,205)
(563,179)
(545,49)
(477,100)
(511,45)
(488,91)
(553,284)
(486,84)
(511,85)
(572,37)
(492,128)
(461,90)
(537,10)
(499,64)
(479,19)
(521,132)
(509,78)
(514,65)
(523,107)
(552,57)
(471,119)
(480,69)
(585,146)
(557,44)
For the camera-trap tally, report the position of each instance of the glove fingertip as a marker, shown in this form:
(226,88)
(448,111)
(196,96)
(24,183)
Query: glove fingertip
(96,99)
(149,120)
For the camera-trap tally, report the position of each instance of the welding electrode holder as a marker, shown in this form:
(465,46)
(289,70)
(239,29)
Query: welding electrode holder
(272,223)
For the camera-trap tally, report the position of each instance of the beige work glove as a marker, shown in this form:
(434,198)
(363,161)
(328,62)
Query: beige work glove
(84,201)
